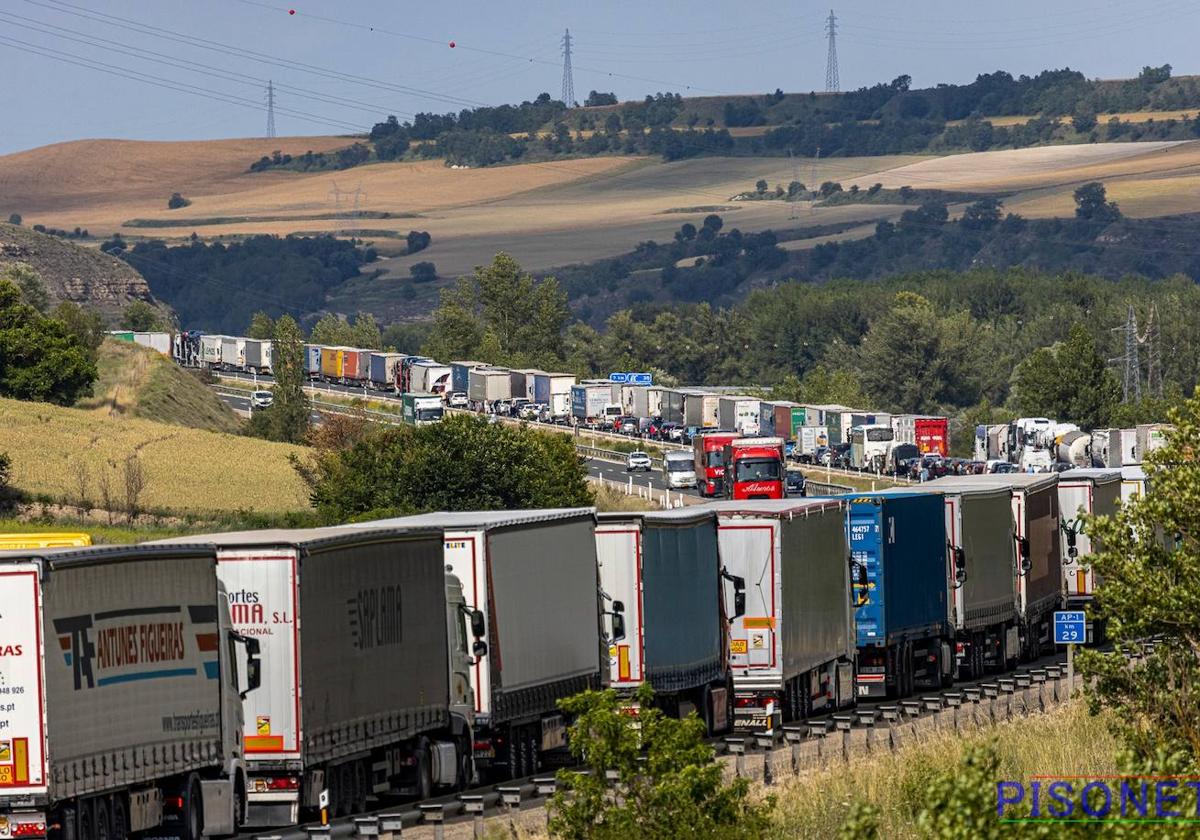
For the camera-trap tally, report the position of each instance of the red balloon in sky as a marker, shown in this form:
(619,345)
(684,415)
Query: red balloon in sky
(451,45)
(291,11)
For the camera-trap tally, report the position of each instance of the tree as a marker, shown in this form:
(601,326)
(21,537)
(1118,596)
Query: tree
(114,246)
(829,188)
(140,316)
(417,240)
(33,290)
(686,232)
(457,331)
(423,272)
(1091,203)
(1154,75)
(85,324)
(176,201)
(287,419)
(365,332)
(911,360)
(1069,381)
(760,186)
(262,326)
(795,189)
(330,330)
(595,98)
(982,215)
(5,472)
(713,222)
(461,463)
(1084,119)
(14,219)
(671,788)
(40,359)
(1149,562)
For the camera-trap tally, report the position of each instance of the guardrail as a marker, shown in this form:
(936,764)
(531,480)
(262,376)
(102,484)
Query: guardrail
(821,488)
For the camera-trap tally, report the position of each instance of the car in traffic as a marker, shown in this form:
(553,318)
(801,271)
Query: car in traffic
(261,399)
(456,399)
(679,470)
(626,425)
(794,483)
(635,461)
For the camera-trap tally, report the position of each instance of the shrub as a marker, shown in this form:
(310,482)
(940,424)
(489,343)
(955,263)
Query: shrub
(423,272)
(176,201)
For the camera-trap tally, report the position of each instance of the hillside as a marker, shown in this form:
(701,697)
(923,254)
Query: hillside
(68,454)
(85,276)
(139,382)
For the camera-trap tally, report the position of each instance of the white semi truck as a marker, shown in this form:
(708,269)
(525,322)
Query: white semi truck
(123,682)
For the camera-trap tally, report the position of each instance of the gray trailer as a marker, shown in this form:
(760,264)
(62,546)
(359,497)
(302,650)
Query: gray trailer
(1035,512)
(982,573)
(121,680)
(793,650)
(486,385)
(356,691)
(533,575)
(664,568)
(258,355)
(700,409)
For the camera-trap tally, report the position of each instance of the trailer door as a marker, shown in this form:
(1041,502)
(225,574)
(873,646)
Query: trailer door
(22,712)
(262,588)
(749,548)
(619,552)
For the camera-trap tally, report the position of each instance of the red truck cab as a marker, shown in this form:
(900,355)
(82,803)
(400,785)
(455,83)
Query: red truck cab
(709,454)
(754,468)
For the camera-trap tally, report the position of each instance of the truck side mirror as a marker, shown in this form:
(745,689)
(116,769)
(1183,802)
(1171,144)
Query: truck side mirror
(479,649)
(1023,551)
(618,606)
(618,626)
(960,565)
(861,584)
(253,675)
(739,593)
(478,625)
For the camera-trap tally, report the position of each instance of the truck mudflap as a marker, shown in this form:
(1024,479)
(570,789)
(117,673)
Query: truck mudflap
(756,713)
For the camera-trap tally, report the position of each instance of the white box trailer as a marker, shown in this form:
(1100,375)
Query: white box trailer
(233,352)
(258,355)
(664,568)
(1094,492)
(160,341)
(210,350)
(793,650)
(739,414)
(486,385)
(121,683)
(560,395)
(534,576)
(355,697)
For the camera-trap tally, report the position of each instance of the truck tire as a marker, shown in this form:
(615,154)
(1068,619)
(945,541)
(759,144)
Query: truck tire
(424,772)
(86,821)
(193,811)
(359,772)
(240,804)
(342,798)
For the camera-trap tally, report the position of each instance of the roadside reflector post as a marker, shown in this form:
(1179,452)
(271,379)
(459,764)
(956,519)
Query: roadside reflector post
(794,735)
(954,701)
(366,827)
(819,729)
(323,804)
(737,748)
(319,832)
(510,796)
(391,826)
(991,691)
(434,814)
(844,723)
(766,743)
(472,804)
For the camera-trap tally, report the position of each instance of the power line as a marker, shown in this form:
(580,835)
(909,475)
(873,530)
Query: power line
(568,79)
(832,84)
(270,108)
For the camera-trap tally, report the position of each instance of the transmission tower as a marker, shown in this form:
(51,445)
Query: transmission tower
(832,85)
(1131,389)
(346,218)
(1151,338)
(270,108)
(568,80)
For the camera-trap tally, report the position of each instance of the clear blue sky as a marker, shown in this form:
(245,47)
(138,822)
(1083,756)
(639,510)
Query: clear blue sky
(368,58)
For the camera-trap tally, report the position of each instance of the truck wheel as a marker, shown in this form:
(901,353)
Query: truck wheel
(239,804)
(424,772)
(344,800)
(193,811)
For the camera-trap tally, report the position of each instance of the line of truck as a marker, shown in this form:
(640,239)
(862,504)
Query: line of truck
(197,685)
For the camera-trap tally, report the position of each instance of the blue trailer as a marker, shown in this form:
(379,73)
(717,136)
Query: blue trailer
(312,360)
(460,375)
(904,628)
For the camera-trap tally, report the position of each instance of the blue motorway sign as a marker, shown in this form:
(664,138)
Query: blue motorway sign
(632,378)
(1070,627)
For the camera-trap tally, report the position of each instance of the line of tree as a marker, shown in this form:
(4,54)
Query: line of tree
(218,286)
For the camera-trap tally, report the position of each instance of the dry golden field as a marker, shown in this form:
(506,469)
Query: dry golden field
(185,470)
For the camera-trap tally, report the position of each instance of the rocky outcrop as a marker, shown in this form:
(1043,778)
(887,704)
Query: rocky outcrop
(82,274)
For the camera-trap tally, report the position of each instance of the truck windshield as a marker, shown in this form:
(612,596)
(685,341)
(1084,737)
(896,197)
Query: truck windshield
(880,434)
(715,458)
(679,465)
(427,414)
(758,469)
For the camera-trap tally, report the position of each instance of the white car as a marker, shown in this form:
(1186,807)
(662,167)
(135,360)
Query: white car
(261,399)
(457,399)
(637,461)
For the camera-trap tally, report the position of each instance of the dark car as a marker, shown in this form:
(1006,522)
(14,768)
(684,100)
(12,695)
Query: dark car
(793,483)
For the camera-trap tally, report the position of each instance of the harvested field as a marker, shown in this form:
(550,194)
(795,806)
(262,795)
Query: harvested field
(186,470)
(1124,116)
